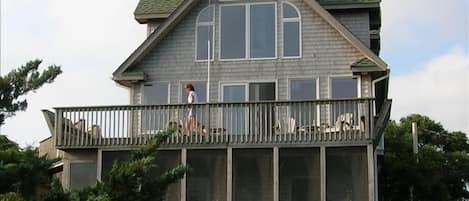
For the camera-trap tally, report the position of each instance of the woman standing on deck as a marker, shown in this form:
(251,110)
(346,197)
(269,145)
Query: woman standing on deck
(192,98)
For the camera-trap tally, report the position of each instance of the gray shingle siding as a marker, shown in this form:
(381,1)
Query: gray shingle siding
(325,53)
(358,23)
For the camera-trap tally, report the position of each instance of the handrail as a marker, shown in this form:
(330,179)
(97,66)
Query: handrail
(216,103)
(255,122)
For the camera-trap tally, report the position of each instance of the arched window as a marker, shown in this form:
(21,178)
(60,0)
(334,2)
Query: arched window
(204,33)
(291,20)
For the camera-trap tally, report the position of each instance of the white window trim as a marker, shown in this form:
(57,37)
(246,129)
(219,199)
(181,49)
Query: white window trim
(142,88)
(318,115)
(247,25)
(197,25)
(182,82)
(300,31)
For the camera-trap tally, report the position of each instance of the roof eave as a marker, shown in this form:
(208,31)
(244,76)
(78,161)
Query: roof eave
(145,18)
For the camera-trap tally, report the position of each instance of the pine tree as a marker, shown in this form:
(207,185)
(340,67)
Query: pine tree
(21,81)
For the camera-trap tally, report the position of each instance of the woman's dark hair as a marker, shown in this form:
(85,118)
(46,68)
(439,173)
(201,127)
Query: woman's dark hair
(189,86)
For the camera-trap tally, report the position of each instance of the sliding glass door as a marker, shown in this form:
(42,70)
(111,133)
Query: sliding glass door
(234,116)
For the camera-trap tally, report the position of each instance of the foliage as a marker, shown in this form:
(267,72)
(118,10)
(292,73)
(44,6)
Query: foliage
(132,179)
(438,172)
(21,81)
(57,193)
(11,197)
(22,171)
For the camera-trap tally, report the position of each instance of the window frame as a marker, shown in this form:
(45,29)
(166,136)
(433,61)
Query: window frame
(300,31)
(205,24)
(142,88)
(247,24)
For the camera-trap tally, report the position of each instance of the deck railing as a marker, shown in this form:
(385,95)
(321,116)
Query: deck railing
(216,123)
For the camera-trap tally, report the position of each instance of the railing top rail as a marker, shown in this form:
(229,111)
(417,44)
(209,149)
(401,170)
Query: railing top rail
(214,103)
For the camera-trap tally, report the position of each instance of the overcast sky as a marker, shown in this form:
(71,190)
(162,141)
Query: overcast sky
(425,42)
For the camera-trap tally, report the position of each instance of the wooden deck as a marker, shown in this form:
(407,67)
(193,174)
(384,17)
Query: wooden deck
(218,124)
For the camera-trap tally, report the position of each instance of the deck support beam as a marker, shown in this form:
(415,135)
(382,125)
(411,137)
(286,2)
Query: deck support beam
(322,161)
(229,173)
(184,179)
(371,173)
(276,173)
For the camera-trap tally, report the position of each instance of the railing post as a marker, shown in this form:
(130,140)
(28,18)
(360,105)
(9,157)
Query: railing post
(58,127)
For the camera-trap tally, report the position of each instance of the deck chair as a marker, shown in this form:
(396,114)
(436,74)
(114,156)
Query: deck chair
(344,121)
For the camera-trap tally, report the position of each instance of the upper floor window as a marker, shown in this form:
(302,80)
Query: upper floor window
(248,31)
(291,21)
(204,34)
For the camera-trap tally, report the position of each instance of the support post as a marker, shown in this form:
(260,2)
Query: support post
(415,138)
(276,173)
(323,172)
(99,165)
(183,180)
(229,173)
(371,173)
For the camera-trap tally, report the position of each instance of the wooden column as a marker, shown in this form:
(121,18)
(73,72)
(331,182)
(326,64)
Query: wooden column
(371,173)
(99,164)
(229,173)
(276,173)
(183,180)
(323,172)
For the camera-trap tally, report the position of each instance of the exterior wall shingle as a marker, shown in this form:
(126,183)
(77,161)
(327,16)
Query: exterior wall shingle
(325,53)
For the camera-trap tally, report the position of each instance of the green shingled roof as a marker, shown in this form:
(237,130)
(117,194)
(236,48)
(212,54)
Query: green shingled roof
(364,62)
(339,2)
(155,8)
(148,9)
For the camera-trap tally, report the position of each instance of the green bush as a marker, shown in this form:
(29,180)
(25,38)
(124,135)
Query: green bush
(11,197)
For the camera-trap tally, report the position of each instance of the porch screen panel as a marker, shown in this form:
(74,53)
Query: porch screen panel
(109,157)
(299,173)
(82,174)
(207,181)
(168,160)
(346,174)
(252,175)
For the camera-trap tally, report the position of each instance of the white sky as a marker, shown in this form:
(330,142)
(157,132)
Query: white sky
(90,39)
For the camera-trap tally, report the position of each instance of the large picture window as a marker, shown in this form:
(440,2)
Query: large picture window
(204,34)
(248,31)
(291,21)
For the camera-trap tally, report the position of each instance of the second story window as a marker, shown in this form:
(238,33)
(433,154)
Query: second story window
(291,21)
(248,31)
(204,34)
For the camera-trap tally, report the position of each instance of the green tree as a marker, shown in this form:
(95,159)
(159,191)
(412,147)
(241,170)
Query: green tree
(22,171)
(20,82)
(129,180)
(438,172)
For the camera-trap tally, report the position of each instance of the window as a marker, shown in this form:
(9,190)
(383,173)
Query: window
(262,31)
(233,32)
(304,114)
(200,89)
(248,31)
(154,119)
(82,174)
(344,88)
(291,31)
(204,33)
(156,93)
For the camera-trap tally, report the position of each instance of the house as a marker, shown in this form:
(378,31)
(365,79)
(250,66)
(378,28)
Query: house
(292,101)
